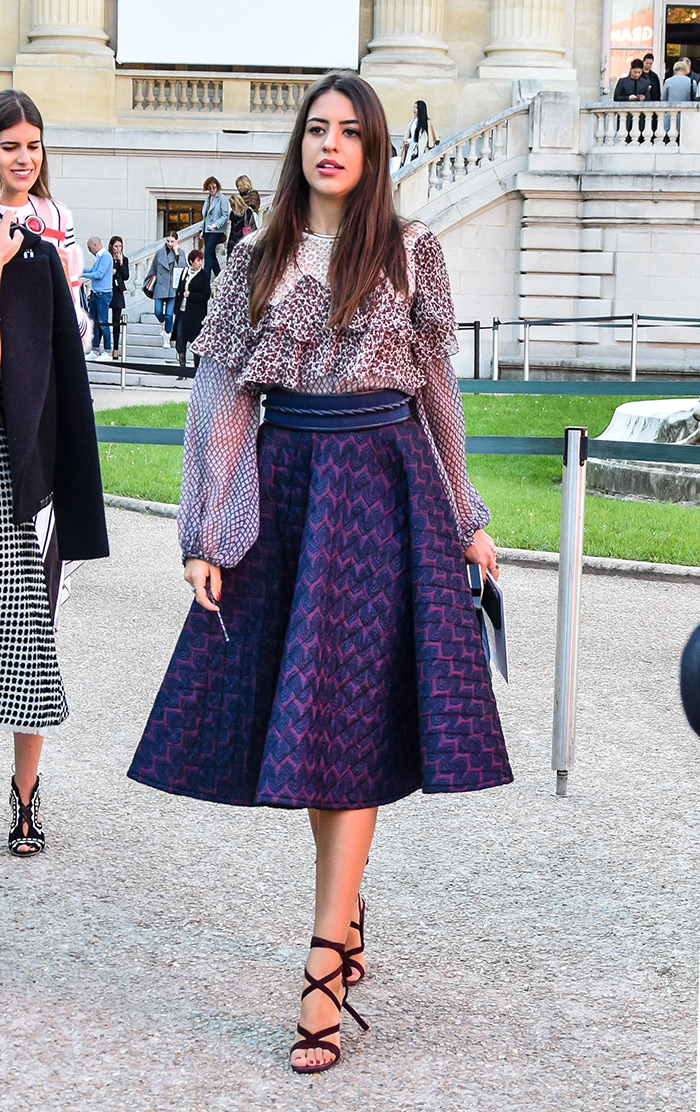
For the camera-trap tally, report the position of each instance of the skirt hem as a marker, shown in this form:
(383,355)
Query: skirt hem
(325,806)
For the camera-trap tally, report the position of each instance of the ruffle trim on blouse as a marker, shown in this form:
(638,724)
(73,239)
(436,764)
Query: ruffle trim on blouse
(292,346)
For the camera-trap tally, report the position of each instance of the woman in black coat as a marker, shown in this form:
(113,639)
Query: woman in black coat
(48,454)
(120,277)
(191,301)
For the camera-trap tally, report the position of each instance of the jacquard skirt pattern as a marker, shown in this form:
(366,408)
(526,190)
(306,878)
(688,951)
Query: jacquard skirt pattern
(32,699)
(354,673)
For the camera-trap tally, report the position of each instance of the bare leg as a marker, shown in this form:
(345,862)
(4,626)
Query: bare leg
(352,939)
(342,840)
(27,753)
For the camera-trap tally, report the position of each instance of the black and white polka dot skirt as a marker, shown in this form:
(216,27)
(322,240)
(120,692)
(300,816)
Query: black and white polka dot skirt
(32,699)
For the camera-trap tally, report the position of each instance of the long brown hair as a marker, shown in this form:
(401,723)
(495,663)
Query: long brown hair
(369,242)
(16,108)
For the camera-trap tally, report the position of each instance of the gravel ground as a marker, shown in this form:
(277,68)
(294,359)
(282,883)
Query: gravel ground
(525,951)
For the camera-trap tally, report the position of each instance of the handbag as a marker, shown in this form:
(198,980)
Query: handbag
(149,285)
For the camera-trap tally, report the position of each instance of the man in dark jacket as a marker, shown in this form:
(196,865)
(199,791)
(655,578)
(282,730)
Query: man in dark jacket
(635,86)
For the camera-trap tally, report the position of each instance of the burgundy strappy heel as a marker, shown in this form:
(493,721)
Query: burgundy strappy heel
(311,1040)
(350,955)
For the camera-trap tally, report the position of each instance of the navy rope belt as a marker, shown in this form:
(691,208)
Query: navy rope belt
(285,409)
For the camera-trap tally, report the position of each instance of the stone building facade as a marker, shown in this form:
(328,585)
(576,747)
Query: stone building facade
(550,210)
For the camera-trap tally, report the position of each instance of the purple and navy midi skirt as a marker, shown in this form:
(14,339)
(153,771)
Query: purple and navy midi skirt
(354,672)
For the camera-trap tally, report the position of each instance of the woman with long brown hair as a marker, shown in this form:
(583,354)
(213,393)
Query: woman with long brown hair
(331,659)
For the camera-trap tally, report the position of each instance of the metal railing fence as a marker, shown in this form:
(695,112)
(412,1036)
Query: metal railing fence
(633,321)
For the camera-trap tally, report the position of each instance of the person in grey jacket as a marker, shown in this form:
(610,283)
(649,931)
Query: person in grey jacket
(215,215)
(677,89)
(167,267)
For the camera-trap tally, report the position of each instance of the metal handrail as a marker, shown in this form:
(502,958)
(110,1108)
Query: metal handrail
(622,320)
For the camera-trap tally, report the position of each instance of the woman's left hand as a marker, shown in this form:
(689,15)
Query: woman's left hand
(482,551)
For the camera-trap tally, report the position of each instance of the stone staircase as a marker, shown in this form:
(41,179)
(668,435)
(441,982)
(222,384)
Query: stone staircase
(144,345)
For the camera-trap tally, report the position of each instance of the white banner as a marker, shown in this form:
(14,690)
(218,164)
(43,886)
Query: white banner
(312,34)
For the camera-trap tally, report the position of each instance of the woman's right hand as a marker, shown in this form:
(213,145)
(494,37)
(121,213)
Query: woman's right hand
(9,245)
(205,580)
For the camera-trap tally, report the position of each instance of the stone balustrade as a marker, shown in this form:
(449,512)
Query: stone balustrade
(276,99)
(636,126)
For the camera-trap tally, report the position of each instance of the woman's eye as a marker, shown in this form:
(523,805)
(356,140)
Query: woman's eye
(352,132)
(315,129)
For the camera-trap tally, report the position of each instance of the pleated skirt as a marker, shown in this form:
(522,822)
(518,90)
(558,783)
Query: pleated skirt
(32,697)
(354,672)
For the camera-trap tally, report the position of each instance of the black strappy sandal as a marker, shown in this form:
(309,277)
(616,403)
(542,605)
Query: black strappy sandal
(350,955)
(28,813)
(313,1040)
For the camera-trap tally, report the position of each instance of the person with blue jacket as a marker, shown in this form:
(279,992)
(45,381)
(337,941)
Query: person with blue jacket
(215,216)
(100,275)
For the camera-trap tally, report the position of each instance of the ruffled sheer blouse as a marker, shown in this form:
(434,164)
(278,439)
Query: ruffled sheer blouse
(393,342)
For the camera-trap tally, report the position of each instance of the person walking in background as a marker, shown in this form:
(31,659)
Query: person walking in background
(332,658)
(242,222)
(191,302)
(420,134)
(120,276)
(100,275)
(30,198)
(250,195)
(215,214)
(167,267)
(652,78)
(48,454)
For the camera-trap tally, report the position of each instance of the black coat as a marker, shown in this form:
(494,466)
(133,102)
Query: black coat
(654,85)
(197,302)
(46,402)
(120,276)
(629,86)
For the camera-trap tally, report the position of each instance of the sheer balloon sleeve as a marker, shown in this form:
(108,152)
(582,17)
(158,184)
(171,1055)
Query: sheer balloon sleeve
(438,402)
(218,518)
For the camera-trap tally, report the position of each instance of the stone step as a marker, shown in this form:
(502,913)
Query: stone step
(100,374)
(138,328)
(153,353)
(145,339)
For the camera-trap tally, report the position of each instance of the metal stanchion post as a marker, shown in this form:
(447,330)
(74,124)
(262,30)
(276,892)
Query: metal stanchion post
(633,347)
(494,352)
(122,369)
(526,351)
(569,602)
(477,349)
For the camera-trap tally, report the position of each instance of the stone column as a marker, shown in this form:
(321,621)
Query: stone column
(408,33)
(67,27)
(527,39)
(66,66)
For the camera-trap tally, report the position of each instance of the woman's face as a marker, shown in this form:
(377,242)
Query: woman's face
(415,109)
(21,157)
(331,149)
(196,263)
(171,242)
(117,247)
(211,188)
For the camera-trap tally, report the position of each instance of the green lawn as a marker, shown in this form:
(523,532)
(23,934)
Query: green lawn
(522,491)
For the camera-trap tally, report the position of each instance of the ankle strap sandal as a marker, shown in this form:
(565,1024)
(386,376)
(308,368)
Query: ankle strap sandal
(21,844)
(351,964)
(317,1039)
